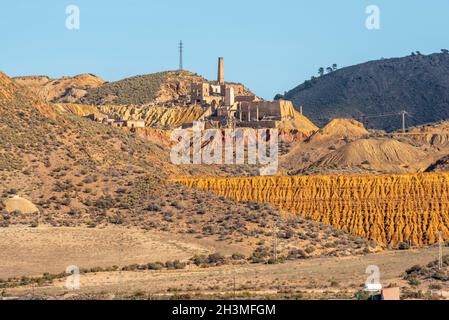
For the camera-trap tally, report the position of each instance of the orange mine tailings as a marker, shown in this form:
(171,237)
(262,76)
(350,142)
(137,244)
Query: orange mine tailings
(386,208)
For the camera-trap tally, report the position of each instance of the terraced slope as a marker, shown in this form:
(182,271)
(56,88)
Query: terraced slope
(387,208)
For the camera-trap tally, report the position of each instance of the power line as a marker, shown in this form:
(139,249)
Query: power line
(275,241)
(402,113)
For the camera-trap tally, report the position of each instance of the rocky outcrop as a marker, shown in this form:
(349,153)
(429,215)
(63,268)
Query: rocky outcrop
(22,205)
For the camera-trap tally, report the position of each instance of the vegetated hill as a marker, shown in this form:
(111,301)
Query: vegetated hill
(66,89)
(77,171)
(150,88)
(66,163)
(418,84)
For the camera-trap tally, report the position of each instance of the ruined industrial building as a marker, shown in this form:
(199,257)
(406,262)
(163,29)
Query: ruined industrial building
(228,108)
(210,104)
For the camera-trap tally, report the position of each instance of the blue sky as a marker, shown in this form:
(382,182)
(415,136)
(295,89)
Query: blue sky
(270,46)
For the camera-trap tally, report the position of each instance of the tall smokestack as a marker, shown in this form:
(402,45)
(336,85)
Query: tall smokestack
(221,70)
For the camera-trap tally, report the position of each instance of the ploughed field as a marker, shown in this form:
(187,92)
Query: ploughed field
(391,209)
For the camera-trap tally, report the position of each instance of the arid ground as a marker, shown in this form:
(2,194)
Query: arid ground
(28,251)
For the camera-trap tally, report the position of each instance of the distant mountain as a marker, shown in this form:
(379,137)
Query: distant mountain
(418,84)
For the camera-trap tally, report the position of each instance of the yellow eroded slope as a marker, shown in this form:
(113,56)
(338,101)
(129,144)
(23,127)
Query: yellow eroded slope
(156,116)
(77,109)
(386,208)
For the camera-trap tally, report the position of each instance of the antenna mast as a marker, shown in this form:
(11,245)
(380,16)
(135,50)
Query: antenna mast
(181,47)
(440,251)
(403,113)
(275,241)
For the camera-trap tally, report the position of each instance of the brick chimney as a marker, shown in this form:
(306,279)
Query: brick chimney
(221,71)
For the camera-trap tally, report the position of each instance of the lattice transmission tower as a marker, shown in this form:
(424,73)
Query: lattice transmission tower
(181,48)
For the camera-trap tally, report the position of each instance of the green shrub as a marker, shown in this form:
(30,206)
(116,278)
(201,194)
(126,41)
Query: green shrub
(216,258)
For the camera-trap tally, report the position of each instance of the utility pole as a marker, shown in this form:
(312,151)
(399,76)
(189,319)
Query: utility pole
(275,242)
(403,113)
(181,47)
(440,251)
(235,294)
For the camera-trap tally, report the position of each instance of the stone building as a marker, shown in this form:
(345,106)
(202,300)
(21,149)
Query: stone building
(239,110)
(103,118)
(217,94)
(133,124)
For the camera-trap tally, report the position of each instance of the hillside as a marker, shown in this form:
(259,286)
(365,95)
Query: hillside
(79,173)
(66,89)
(68,165)
(379,155)
(418,84)
(330,137)
(442,165)
(150,88)
(435,135)
(345,146)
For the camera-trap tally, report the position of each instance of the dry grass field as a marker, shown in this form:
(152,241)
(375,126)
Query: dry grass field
(34,251)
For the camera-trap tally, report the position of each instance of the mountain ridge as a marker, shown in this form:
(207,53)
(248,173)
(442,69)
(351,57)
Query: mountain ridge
(418,84)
